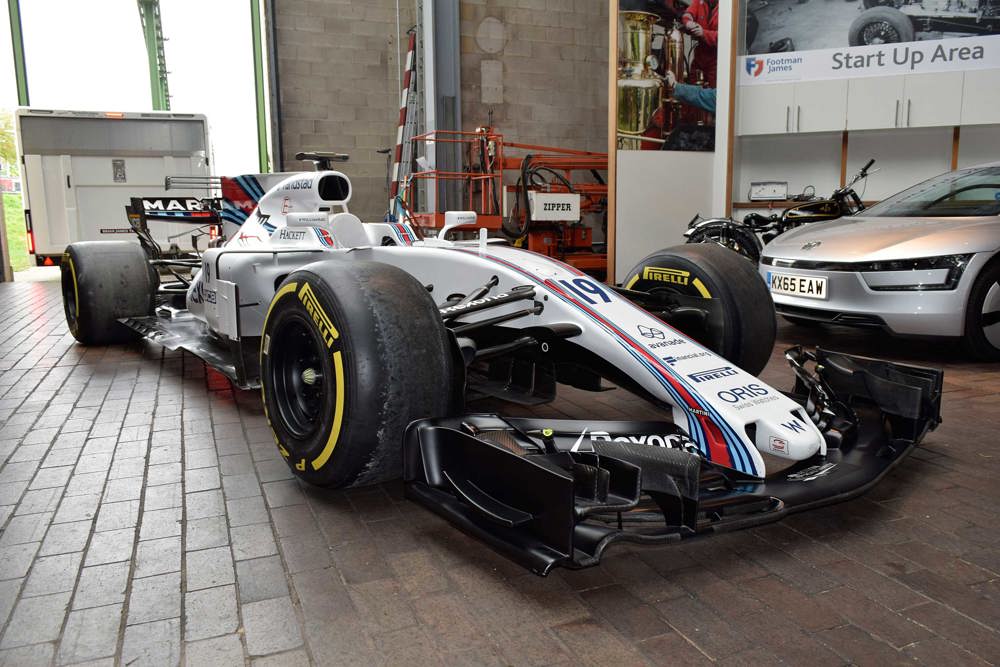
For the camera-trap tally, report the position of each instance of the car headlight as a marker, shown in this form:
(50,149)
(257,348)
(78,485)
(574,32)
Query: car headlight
(914,275)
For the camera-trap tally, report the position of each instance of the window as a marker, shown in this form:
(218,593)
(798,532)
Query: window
(969,192)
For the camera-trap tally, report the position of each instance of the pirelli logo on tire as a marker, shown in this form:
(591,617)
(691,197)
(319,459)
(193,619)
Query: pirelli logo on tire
(320,318)
(673,276)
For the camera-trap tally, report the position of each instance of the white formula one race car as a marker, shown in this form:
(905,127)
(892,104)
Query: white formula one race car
(367,340)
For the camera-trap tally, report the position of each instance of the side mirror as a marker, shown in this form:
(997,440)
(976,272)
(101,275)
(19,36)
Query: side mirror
(453,219)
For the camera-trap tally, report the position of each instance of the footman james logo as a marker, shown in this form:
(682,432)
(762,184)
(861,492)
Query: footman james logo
(755,66)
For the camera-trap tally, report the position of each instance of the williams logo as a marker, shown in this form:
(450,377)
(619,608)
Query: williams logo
(666,275)
(713,374)
(755,66)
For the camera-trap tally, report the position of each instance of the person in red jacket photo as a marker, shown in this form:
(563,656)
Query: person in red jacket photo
(701,21)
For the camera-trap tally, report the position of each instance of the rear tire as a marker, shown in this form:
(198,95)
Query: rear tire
(746,334)
(982,316)
(101,282)
(352,352)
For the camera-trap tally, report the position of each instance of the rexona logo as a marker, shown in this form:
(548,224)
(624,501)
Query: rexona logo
(755,66)
(666,441)
(673,276)
(461,308)
(713,374)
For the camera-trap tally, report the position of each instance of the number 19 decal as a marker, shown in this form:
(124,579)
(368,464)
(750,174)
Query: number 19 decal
(582,287)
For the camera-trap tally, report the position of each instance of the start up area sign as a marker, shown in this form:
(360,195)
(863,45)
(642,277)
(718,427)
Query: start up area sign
(944,55)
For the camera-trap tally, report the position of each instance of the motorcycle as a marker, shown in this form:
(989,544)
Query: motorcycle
(749,237)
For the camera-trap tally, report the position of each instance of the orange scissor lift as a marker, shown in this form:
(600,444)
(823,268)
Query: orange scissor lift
(489,175)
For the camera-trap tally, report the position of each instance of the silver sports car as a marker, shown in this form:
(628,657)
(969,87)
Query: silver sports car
(923,262)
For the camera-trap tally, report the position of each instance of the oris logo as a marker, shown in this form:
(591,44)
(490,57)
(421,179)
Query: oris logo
(742,394)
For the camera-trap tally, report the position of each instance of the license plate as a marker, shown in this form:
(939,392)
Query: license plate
(809,287)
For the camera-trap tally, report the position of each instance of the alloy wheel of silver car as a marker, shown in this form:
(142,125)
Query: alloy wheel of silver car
(990,316)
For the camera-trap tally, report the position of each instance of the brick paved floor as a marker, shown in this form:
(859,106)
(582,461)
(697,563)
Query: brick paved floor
(149,520)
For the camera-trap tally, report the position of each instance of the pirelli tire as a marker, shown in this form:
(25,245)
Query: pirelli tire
(744,328)
(103,281)
(351,353)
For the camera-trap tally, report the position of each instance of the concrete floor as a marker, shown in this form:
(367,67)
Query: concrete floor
(148,519)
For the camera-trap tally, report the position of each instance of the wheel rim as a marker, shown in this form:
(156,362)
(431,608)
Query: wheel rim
(880,32)
(990,316)
(297,376)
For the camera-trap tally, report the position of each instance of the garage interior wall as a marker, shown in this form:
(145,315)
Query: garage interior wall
(542,67)
(338,64)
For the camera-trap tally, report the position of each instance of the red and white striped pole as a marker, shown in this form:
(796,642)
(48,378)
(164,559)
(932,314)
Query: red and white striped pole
(408,80)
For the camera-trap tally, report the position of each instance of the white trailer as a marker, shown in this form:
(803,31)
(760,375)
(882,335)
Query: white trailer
(80,168)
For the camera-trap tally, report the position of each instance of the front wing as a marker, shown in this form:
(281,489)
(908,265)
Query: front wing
(557,493)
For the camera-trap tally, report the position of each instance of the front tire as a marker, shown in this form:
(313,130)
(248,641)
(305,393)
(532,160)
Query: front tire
(352,352)
(103,281)
(982,316)
(745,330)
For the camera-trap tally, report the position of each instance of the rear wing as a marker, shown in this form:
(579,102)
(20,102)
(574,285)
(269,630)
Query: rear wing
(142,210)
(239,194)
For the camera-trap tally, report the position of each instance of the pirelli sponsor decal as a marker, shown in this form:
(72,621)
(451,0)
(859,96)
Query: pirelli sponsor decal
(321,319)
(673,276)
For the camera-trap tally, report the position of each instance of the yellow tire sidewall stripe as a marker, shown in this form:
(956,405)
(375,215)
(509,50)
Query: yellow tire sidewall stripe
(700,286)
(338,415)
(340,383)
